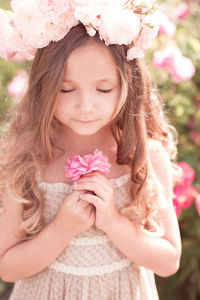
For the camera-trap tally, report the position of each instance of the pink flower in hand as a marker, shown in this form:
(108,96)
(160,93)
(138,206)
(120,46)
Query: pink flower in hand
(78,165)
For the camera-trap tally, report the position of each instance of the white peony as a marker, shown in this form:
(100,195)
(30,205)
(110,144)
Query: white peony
(120,26)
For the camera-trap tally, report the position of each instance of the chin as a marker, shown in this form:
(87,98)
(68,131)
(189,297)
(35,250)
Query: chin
(85,132)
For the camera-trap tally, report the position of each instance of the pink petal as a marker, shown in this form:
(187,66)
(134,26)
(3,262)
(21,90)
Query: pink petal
(78,165)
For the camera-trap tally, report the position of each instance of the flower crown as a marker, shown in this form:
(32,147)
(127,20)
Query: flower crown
(34,24)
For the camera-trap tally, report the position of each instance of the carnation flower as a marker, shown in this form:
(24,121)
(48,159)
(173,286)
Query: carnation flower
(78,165)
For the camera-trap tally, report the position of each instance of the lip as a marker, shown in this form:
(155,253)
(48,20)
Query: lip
(85,121)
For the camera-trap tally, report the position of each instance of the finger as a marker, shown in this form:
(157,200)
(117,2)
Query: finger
(94,174)
(83,203)
(91,210)
(98,187)
(96,201)
(76,195)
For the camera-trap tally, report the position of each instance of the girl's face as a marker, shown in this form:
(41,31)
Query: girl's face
(89,93)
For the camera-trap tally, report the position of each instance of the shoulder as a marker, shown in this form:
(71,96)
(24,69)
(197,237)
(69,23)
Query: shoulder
(158,155)
(161,166)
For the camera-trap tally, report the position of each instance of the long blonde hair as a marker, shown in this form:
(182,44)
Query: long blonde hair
(31,136)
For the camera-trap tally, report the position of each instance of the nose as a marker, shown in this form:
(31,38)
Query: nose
(85,103)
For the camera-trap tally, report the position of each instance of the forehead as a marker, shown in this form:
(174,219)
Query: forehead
(91,61)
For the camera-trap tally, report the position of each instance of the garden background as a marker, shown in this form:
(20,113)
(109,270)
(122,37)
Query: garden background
(174,60)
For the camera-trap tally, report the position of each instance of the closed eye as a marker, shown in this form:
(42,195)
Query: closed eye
(104,91)
(66,91)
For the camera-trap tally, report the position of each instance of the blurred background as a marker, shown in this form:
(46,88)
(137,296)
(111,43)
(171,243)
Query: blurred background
(174,61)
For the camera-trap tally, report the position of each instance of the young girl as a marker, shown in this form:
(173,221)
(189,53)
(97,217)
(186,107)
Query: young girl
(57,239)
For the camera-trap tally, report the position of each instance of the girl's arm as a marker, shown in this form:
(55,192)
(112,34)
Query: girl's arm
(20,259)
(162,255)
(30,257)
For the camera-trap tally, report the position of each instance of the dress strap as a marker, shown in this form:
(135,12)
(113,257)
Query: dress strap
(38,175)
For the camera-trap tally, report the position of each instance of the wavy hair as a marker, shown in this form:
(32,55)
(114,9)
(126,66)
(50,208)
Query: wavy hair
(30,139)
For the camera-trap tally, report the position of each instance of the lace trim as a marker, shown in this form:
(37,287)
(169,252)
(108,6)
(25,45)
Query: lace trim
(82,271)
(116,182)
(87,241)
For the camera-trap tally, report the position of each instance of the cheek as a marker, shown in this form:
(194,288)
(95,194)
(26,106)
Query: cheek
(61,108)
(112,102)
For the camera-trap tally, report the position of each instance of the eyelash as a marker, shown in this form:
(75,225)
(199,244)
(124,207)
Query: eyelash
(102,91)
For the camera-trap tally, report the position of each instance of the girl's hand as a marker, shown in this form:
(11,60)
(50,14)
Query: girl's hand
(103,198)
(75,215)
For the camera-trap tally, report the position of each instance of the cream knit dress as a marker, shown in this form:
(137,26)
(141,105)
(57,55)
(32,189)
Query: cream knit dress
(91,267)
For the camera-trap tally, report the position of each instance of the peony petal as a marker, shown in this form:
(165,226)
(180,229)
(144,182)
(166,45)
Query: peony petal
(78,165)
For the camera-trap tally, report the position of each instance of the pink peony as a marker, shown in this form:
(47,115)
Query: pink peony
(78,165)
(151,25)
(34,24)
(18,86)
(134,52)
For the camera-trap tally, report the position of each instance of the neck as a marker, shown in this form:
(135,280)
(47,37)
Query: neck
(75,144)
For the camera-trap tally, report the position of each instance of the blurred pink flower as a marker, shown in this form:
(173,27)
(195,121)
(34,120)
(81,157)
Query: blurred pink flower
(184,193)
(17,87)
(78,165)
(177,206)
(197,202)
(167,27)
(191,124)
(188,173)
(180,67)
(195,136)
(182,11)
(198,104)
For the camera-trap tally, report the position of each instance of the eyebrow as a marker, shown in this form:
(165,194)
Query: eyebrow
(99,81)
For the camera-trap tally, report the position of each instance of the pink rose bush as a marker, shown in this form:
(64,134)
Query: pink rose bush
(184,193)
(180,67)
(78,165)
(18,85)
